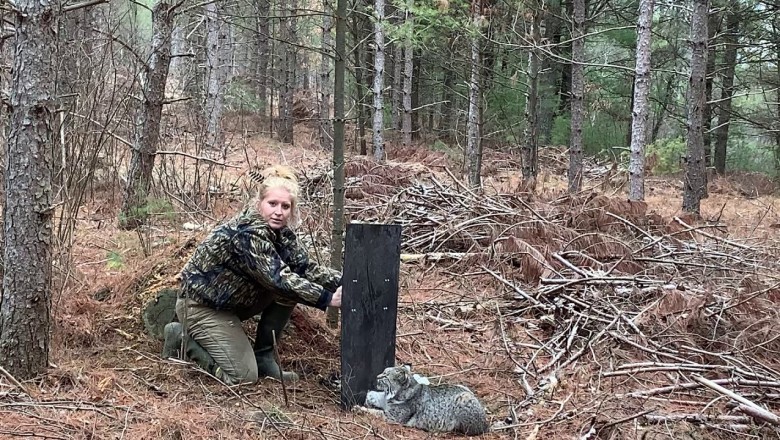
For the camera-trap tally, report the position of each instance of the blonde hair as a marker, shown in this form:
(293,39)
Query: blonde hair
(277,176)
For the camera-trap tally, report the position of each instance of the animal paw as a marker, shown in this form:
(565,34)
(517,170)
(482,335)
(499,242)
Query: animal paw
(372,411)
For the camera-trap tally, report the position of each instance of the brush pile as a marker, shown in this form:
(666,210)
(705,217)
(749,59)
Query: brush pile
(660,321)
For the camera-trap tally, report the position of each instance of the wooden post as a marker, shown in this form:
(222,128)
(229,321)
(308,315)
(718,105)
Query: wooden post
(369,307)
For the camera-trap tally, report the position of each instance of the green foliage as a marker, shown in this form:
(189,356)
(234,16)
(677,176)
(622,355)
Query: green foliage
(430,21)
(241,96)
(668,152)
(561,130)
(743,155)
(452,154)
(160,208)
(602,133)
(506,105)
(153,207)
(115,260)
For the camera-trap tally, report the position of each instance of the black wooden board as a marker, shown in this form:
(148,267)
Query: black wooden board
(369,307)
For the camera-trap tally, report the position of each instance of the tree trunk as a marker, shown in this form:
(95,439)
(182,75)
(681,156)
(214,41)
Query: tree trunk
(288,70)
(663,106)
(326,123)
(147,138)
(397,98)
(416,78)
(551,71)
(730,40)
(564,92)
(360,33)
(379,80)
(262,54)
(695,171)
(636,166)
(25,309)
(447,107)
(712,30)
(531,135)
(473,138)
(577,97)
(337,233)
(406,119)
(216,77)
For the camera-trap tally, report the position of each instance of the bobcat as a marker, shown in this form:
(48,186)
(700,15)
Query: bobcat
(410,400)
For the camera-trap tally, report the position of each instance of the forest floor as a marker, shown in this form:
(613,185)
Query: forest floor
(566,315)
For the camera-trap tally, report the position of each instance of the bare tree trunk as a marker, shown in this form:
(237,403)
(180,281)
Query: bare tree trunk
(326,123)
(339,69)
(695,172)
(360,50)
(531,135)
(25,309)
(179,48)
(577,97)
(379,80)
(730,40)
(288,67)
(263,54)
(416,77)
(636,166)
(663,106)
(406,120)
(551,71)
(216,72)
(448,107)
(147,138)
(712,29)
(473,138)
(397,97)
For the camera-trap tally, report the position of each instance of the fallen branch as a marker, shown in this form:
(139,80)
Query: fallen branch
(438,256)
(708,235)
(13,380)
(522,293)
(748,407)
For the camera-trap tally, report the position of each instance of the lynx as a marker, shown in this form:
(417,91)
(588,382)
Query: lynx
(410,400)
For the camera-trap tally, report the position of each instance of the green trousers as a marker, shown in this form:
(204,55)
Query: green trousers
(221,335)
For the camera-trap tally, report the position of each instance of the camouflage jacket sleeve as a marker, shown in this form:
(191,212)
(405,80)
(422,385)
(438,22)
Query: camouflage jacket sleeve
(299,261)
(259,259)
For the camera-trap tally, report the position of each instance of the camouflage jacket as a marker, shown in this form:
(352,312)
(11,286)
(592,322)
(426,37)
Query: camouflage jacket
(244,264)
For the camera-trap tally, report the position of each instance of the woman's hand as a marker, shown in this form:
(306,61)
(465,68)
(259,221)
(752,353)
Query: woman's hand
(335,301)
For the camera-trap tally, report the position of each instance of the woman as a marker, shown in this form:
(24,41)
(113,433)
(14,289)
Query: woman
(249,265)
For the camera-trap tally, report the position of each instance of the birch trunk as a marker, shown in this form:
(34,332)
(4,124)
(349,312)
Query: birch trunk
(326,123)
(147,137)
(695,177)
(577,97)
(730,40)
(636,166)
(473,138)
(531,134)
(25,307)
(379,80)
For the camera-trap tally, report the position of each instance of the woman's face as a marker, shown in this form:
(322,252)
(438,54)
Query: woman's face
(276,207)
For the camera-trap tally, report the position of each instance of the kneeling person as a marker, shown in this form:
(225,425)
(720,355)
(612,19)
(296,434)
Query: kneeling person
(252,264)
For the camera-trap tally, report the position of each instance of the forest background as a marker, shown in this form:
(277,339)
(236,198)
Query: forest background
(514,137)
